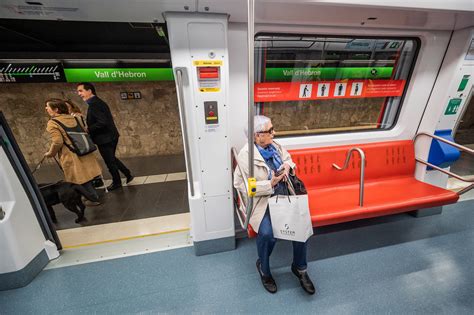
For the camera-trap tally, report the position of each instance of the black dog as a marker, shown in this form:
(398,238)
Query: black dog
(69,195)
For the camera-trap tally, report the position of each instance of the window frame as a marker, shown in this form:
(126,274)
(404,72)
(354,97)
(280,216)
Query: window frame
(395,123)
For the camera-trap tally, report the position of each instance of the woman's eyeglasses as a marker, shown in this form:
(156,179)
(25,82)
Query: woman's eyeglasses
(267,131)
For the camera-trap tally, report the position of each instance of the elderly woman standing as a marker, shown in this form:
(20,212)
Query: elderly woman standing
(79,170)
(269,159)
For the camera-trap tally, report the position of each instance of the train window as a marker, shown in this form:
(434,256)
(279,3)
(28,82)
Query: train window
(313,84)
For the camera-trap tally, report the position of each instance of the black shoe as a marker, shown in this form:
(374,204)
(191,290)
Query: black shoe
(130,178)
(267,281)
(114,186)
(305,281)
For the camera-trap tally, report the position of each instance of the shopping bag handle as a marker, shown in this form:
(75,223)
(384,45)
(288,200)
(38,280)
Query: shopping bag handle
(289,200)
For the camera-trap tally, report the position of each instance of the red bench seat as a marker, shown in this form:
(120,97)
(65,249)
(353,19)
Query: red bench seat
(390,186)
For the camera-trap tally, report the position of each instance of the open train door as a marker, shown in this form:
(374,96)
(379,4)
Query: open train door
(28,239)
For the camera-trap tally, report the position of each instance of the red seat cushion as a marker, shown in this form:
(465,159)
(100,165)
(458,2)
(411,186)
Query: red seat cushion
(390,186)
(338,204)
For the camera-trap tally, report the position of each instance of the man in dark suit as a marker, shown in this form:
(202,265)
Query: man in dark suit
(104,133)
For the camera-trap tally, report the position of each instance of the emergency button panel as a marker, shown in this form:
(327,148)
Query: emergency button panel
(209,79)
(208,75)
(211,113)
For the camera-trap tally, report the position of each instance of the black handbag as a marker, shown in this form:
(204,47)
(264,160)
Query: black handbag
(294,186)
(298,185)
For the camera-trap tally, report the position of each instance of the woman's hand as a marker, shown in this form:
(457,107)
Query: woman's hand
(276,179)
(285,170)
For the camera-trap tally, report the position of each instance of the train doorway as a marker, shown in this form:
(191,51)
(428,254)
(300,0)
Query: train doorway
(140,91)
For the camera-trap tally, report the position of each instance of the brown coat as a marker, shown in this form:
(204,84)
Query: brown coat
(77,169)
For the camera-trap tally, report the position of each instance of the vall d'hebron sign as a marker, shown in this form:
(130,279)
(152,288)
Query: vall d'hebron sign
(54,72)
(118,74)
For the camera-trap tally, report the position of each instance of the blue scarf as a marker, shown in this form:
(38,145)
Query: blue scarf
(271,156)
(273,160)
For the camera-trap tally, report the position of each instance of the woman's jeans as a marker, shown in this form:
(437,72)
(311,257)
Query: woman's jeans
(266,242)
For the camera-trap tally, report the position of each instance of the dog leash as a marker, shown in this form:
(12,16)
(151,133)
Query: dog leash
(38,166)
(59,165)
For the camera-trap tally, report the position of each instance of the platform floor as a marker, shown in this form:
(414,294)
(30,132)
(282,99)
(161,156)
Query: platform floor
(159,189)
(397,264)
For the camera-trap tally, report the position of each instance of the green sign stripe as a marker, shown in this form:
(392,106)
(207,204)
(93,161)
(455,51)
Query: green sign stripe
(289,74)
(118,74)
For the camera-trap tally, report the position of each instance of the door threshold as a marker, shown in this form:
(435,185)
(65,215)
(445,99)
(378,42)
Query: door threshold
(119,231)
(121,239)
(121,249)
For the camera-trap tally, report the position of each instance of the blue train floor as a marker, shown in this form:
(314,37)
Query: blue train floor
(397,264)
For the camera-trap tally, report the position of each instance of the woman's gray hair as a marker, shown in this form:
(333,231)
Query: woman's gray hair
(259,124)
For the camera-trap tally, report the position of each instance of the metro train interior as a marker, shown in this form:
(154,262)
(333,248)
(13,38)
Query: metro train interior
(373,102)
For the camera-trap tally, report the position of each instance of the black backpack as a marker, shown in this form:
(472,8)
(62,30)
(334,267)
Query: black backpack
(81,141)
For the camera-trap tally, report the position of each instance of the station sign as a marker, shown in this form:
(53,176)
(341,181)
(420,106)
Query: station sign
(31,72)
(329,73)
(118,74)
(325,90)
(55,72)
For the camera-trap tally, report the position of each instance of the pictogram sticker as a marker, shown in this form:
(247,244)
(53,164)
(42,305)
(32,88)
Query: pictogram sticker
(305,90)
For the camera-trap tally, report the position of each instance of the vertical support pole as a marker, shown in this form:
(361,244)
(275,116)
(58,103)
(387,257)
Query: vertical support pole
(251,109)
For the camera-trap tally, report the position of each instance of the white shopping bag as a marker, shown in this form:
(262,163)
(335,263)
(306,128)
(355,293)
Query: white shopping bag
(290,217)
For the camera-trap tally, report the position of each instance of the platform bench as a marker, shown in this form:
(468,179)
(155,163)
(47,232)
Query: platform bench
(390,185)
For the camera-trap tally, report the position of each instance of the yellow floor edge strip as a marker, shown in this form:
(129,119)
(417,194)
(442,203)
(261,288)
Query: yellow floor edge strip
(125,238)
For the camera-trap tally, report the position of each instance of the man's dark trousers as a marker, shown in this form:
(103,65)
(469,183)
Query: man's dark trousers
(107,151)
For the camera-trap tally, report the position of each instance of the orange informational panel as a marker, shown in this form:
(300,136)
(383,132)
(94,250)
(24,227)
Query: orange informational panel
(320,90)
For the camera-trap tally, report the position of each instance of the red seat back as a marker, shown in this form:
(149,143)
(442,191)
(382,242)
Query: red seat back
(383,159)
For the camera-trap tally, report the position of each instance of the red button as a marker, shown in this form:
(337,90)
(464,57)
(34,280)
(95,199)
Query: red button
(211,114)
(208,72)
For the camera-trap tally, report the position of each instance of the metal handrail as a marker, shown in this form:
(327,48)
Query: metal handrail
(362,171)
(182,112)
(243,223)
(458,146)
